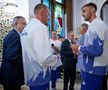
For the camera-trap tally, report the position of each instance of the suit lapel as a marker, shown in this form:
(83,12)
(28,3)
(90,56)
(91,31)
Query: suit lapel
(14,31)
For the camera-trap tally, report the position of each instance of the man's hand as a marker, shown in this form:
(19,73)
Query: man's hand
(56,49)
(75,48)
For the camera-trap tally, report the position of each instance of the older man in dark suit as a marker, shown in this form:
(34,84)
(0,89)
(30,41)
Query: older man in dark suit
(69,62)
(12,65)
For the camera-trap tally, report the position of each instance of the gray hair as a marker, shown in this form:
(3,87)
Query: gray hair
(69,32)
(15,20)
(84,25)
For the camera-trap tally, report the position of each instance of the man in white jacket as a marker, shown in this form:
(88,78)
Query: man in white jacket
(94,50)
(37,55)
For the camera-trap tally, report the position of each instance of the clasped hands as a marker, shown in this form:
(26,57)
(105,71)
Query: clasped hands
(75,48)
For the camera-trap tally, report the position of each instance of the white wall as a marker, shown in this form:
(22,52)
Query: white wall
(1,1)
(99,4)
(105,14)
(8,1)
(77,17)
(23,8)
(32,4)
(26,7)
(65,16)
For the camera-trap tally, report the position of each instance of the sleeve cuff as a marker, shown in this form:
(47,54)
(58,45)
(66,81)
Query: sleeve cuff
(79,49)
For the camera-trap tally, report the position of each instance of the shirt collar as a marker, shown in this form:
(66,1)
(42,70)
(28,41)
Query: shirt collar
(17,31)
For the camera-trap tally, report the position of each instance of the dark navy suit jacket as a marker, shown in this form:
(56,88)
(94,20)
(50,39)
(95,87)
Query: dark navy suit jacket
(12,66)
(67,56)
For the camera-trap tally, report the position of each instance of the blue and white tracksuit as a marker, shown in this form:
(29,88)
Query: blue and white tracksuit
(94,53)
(80,56)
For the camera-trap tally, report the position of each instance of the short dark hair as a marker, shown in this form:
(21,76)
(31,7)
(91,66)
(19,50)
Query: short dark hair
(91,5)
(38,7)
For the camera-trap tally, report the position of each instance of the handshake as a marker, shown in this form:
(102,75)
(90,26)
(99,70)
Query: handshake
(75,48)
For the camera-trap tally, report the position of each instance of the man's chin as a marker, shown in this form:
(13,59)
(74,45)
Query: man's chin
(86,19)
(46,24)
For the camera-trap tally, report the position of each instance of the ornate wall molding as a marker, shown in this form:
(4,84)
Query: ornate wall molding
(6,17)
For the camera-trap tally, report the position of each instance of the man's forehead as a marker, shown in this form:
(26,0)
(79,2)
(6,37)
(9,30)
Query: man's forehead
(86,7)
(53,32)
